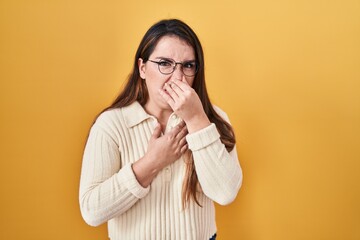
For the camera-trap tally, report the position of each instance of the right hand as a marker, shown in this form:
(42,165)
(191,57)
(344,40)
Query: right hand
(162,151)
(166,149)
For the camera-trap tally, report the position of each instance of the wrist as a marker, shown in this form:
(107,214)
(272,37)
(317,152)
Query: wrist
(145,171)
(197,122)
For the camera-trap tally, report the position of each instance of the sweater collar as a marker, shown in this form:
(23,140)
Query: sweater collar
(134,114)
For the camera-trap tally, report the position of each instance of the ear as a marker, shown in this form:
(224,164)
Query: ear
(141,66)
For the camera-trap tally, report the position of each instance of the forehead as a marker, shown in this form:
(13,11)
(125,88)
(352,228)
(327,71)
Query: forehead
(173,47)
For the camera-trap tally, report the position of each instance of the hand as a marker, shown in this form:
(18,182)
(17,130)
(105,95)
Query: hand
(166,149)
(185,102)
(161,151)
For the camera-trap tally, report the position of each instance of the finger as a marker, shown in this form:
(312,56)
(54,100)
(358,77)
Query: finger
(183,85)
(182,133)
(182,142)
(184,80)
(157,132)
(167,98)
(184,148)
(172,134)
(181,124)
(171,91)
(179,127)
(176,88)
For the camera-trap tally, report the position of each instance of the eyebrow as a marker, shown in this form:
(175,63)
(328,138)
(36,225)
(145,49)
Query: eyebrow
(172,60)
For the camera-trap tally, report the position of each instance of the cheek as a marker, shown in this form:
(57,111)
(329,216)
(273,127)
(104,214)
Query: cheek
(155,82)
(152,79)
(190,81)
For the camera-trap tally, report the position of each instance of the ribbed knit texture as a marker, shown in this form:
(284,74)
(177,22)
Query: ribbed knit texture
(109,191)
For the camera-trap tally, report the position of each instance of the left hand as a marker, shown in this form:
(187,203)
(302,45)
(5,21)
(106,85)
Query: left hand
(185,103)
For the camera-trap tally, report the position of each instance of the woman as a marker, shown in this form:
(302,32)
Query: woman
(161,154)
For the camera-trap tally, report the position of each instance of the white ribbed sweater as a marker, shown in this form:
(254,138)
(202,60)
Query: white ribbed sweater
(109,191)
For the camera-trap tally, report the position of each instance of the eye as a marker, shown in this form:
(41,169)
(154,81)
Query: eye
(189,65)
(164,63)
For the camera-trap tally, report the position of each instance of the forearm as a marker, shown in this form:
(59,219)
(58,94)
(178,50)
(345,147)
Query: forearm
(100,202)
(107,188)
(218,171)
(220,175)
(145,170)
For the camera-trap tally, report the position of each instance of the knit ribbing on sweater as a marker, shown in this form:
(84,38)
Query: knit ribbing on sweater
(110,192)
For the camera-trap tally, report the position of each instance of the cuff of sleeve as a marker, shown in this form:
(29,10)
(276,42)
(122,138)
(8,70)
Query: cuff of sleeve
(132,184)
(202,138)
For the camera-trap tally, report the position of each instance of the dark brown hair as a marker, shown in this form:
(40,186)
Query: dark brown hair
(135,90)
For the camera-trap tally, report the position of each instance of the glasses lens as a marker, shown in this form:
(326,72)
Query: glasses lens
(166,67)
(189,69)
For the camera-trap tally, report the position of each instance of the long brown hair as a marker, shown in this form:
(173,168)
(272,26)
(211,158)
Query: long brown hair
(135,90)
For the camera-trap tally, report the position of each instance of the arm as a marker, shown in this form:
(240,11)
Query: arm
(106,188)
(218,171)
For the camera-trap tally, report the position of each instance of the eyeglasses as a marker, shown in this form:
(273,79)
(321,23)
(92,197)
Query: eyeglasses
(167,66)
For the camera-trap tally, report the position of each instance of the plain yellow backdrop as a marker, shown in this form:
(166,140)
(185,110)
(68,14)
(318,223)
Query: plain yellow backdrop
(286,72)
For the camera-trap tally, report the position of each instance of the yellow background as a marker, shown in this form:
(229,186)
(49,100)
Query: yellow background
(286,72)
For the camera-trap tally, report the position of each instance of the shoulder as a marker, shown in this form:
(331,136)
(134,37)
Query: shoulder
(109,117)
(109,122)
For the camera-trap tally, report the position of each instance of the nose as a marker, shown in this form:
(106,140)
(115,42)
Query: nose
(177,74)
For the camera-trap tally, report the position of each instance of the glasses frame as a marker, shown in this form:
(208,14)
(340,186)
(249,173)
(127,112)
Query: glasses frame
(174,67)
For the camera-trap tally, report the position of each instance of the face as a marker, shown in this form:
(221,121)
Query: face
(168,47)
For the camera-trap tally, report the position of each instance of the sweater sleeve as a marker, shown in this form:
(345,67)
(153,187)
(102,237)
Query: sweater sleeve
(106,188)
(218,171)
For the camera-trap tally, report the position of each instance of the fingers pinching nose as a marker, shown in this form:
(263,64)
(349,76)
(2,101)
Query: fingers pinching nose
(169,85)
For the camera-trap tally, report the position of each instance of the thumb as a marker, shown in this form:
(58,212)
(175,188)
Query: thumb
(157,131)
(184,80)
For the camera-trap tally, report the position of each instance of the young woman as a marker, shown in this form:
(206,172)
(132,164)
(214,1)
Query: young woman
(158,158)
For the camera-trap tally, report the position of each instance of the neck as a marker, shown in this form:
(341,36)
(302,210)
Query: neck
(161,114)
